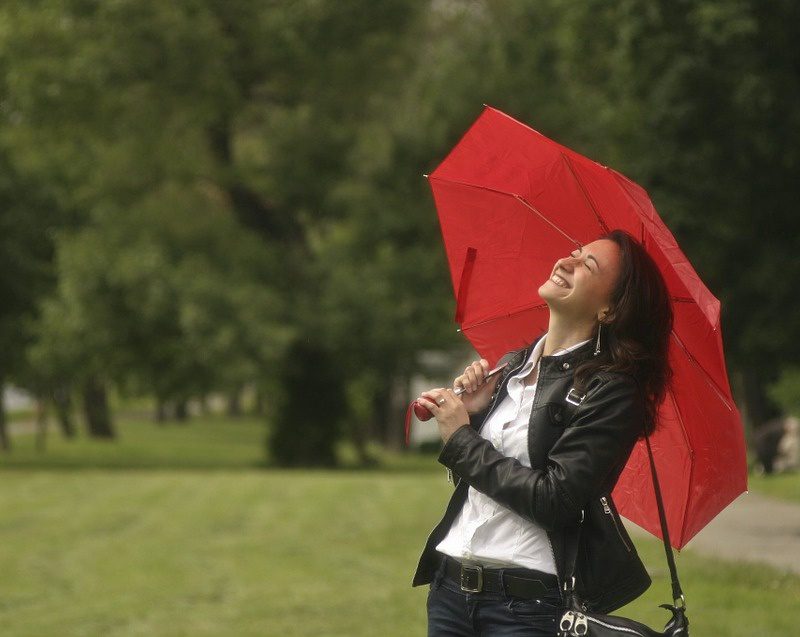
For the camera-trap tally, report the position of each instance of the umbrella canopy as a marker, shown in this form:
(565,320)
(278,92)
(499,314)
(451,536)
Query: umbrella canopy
(511,202)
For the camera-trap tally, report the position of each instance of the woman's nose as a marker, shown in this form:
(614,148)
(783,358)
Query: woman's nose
(567,262)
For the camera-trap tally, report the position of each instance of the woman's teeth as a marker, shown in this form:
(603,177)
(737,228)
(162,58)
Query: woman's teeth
(559,281)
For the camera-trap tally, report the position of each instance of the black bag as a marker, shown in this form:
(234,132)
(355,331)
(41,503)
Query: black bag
(597,625)
(576,622)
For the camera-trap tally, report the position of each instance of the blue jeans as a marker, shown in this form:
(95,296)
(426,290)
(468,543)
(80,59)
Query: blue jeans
(455,613)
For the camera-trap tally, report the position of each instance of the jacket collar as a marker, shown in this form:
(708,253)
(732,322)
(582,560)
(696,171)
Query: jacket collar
(563,363)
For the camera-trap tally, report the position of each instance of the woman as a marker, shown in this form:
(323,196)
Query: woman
(539,448)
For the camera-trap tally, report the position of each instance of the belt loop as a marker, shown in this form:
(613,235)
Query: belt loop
(502,574)
(438,574)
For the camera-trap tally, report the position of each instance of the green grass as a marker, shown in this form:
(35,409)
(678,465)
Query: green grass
(176,531)
(782,485)
(201,443)
(20,415)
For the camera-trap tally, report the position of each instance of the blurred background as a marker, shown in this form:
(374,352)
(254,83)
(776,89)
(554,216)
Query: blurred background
(222,280)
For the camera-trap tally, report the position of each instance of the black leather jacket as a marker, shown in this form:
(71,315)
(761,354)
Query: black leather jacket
(576,454)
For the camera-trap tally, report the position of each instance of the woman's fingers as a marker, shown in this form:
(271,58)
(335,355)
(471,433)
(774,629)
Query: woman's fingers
(477,373)
(438,397)
(432,398)
(473,377)
(470,379)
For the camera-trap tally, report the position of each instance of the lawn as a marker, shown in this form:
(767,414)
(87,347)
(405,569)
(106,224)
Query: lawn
(177,530)
(782,485)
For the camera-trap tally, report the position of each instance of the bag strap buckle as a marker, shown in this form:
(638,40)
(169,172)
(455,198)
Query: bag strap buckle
(573,396)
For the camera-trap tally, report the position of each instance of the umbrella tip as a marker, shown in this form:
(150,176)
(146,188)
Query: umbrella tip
(425,175)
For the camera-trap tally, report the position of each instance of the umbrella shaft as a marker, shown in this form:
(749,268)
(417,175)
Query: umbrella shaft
(496,370)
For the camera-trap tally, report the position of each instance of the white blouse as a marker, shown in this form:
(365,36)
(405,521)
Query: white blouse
(484,531)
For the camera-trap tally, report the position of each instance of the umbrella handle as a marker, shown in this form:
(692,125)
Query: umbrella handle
(422,412)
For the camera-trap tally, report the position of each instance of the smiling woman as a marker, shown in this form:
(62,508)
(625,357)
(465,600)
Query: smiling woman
(496,561)
(588,275)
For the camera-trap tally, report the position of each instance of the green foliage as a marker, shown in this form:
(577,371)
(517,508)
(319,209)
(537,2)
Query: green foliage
(786,390)
(190,187)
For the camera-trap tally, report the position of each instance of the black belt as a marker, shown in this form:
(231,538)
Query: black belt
(474,578)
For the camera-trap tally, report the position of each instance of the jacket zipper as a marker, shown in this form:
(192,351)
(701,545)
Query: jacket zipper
(488,414)
(609,512)
(553,554)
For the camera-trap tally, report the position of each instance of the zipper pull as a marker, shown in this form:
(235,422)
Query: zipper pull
(606,508)
(449,475)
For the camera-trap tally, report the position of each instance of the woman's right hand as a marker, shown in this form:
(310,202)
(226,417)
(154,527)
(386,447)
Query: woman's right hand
(478,391)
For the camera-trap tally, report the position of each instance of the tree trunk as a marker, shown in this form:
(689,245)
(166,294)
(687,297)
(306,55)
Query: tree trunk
(95,406)
(382,416)
(758,408)
(5,441)
(259,403)
(307,421)
(63,405)
(359,434)
(161,411)
(41,423)
(235,403)
(250,209)
(182,410)
(398,402)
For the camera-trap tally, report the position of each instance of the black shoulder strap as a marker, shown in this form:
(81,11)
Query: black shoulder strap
(572,534)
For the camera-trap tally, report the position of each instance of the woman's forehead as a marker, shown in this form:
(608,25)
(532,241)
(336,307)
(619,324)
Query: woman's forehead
(605,251)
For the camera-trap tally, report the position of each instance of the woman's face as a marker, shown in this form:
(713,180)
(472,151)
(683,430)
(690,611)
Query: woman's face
(580,285)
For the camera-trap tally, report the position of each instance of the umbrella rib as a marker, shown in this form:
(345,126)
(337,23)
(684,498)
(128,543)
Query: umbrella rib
(625,190)
(519,198)
(528,205)
(691,464)
(706,375)
(469,185)
(516,310)
(584,192)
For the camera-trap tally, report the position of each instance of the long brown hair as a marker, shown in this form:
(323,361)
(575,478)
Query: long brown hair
(635,333)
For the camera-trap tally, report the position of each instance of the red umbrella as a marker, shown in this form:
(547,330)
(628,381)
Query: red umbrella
(510,203)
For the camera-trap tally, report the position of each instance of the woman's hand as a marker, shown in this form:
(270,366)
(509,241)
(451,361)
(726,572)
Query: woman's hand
(478,391)
(447,408)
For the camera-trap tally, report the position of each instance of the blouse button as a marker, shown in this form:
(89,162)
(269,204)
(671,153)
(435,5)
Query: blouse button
(565,366)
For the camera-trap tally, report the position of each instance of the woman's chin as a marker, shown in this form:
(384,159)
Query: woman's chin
(549,290)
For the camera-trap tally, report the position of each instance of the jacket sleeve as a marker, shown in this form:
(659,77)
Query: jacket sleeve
(600,435)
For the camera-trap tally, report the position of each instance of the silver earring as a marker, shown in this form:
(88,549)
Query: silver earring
(597,346)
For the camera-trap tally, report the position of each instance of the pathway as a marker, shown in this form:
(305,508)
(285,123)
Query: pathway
(753,528)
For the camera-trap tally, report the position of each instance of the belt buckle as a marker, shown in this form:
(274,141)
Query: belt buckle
(465,570)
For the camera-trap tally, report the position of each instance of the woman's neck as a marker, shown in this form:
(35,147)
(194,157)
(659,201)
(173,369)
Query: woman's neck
(562,335)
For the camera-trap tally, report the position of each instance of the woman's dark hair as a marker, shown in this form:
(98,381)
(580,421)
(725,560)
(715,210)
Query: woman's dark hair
(636,331)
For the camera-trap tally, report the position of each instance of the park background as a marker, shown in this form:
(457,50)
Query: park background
(221,278)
